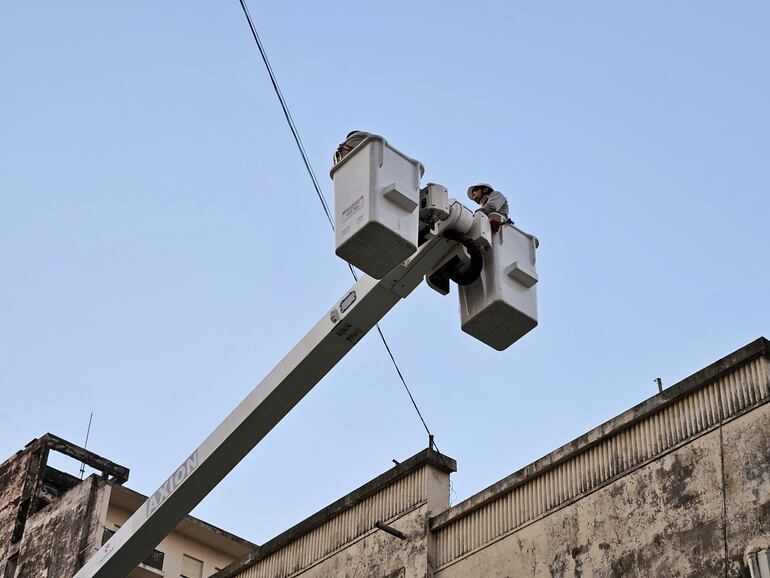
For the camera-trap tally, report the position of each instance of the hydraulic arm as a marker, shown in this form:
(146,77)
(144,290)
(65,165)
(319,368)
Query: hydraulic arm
(446,229)
(335,334)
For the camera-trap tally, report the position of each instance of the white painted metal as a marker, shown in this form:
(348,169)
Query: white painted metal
(758,563)
(376,193)
(460,218)
(501,305)
(481,230)
(763,560)
(434,203)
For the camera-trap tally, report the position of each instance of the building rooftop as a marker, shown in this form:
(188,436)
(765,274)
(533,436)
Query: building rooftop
(398,472)
(55,482)
(669,396)
(716,395)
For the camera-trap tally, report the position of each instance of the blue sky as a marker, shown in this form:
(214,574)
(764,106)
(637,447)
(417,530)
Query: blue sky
(161,246)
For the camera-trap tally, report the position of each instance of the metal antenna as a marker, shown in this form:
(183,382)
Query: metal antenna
(85,445)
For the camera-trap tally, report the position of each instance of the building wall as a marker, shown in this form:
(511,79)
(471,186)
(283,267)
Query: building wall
(51,522)
(747,482)
(678,486)
(343,540)
(667,518)
(174,546)
(13,474)
(48,517)
(379,554)
(57,539)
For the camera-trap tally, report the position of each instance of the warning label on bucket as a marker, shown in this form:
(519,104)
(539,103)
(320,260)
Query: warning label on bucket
(354,208)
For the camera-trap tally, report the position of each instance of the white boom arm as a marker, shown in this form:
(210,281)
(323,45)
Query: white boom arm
(295,375)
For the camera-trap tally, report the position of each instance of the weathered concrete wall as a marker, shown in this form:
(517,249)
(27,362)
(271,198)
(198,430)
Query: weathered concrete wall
(58,539)
(51,522)
(677,486)
(636,526)
(28,487)
(668,518)
(12,475)
(380,554)
(342,540)
(747,481)
(18,484)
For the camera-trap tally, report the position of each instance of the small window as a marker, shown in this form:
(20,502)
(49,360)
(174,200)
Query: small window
(191,568)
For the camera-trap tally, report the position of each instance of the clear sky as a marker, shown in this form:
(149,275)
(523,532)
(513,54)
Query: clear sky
(161,246)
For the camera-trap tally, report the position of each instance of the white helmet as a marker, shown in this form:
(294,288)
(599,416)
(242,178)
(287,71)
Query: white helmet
(477,185)
(354,138)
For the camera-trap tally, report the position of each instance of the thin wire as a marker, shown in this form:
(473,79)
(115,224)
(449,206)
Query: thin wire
(85,445)
(324,204)
(287,114)
(400,375)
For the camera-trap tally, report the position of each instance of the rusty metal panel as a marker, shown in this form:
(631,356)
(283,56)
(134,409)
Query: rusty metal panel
(392,501)
(746,386)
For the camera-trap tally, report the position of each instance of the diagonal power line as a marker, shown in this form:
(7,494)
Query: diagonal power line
(322,199)
(287,114)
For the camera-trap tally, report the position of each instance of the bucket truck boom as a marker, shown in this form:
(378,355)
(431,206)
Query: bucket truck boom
(444,227)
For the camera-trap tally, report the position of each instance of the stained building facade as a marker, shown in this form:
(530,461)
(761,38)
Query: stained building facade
(677,486)
(51,522)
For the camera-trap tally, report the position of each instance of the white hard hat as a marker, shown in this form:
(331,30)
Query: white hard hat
(477,185)
(354,138)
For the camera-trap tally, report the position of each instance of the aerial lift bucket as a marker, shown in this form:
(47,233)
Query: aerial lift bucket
(376,193)
(500,307)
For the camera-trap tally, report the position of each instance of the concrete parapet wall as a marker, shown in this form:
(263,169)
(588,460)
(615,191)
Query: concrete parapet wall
(682,514)
(13,493)
(331,542)
(678,485)
(711,408)
(61,537)
(371,553)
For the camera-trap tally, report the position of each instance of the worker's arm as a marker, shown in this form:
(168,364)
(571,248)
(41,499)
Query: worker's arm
(494,203)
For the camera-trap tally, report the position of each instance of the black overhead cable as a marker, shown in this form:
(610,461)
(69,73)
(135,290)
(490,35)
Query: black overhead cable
(287,114)
(324,204)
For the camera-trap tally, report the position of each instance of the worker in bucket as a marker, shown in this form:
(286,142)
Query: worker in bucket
(492,203)
(353,139)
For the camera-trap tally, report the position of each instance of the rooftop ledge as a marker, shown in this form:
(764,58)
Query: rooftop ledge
(758,348)
(427,456)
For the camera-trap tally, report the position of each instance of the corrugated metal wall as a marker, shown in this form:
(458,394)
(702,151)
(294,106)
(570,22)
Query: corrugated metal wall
(403,495)
(684,419)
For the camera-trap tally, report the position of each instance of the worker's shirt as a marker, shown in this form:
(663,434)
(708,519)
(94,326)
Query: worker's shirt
(496,203)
